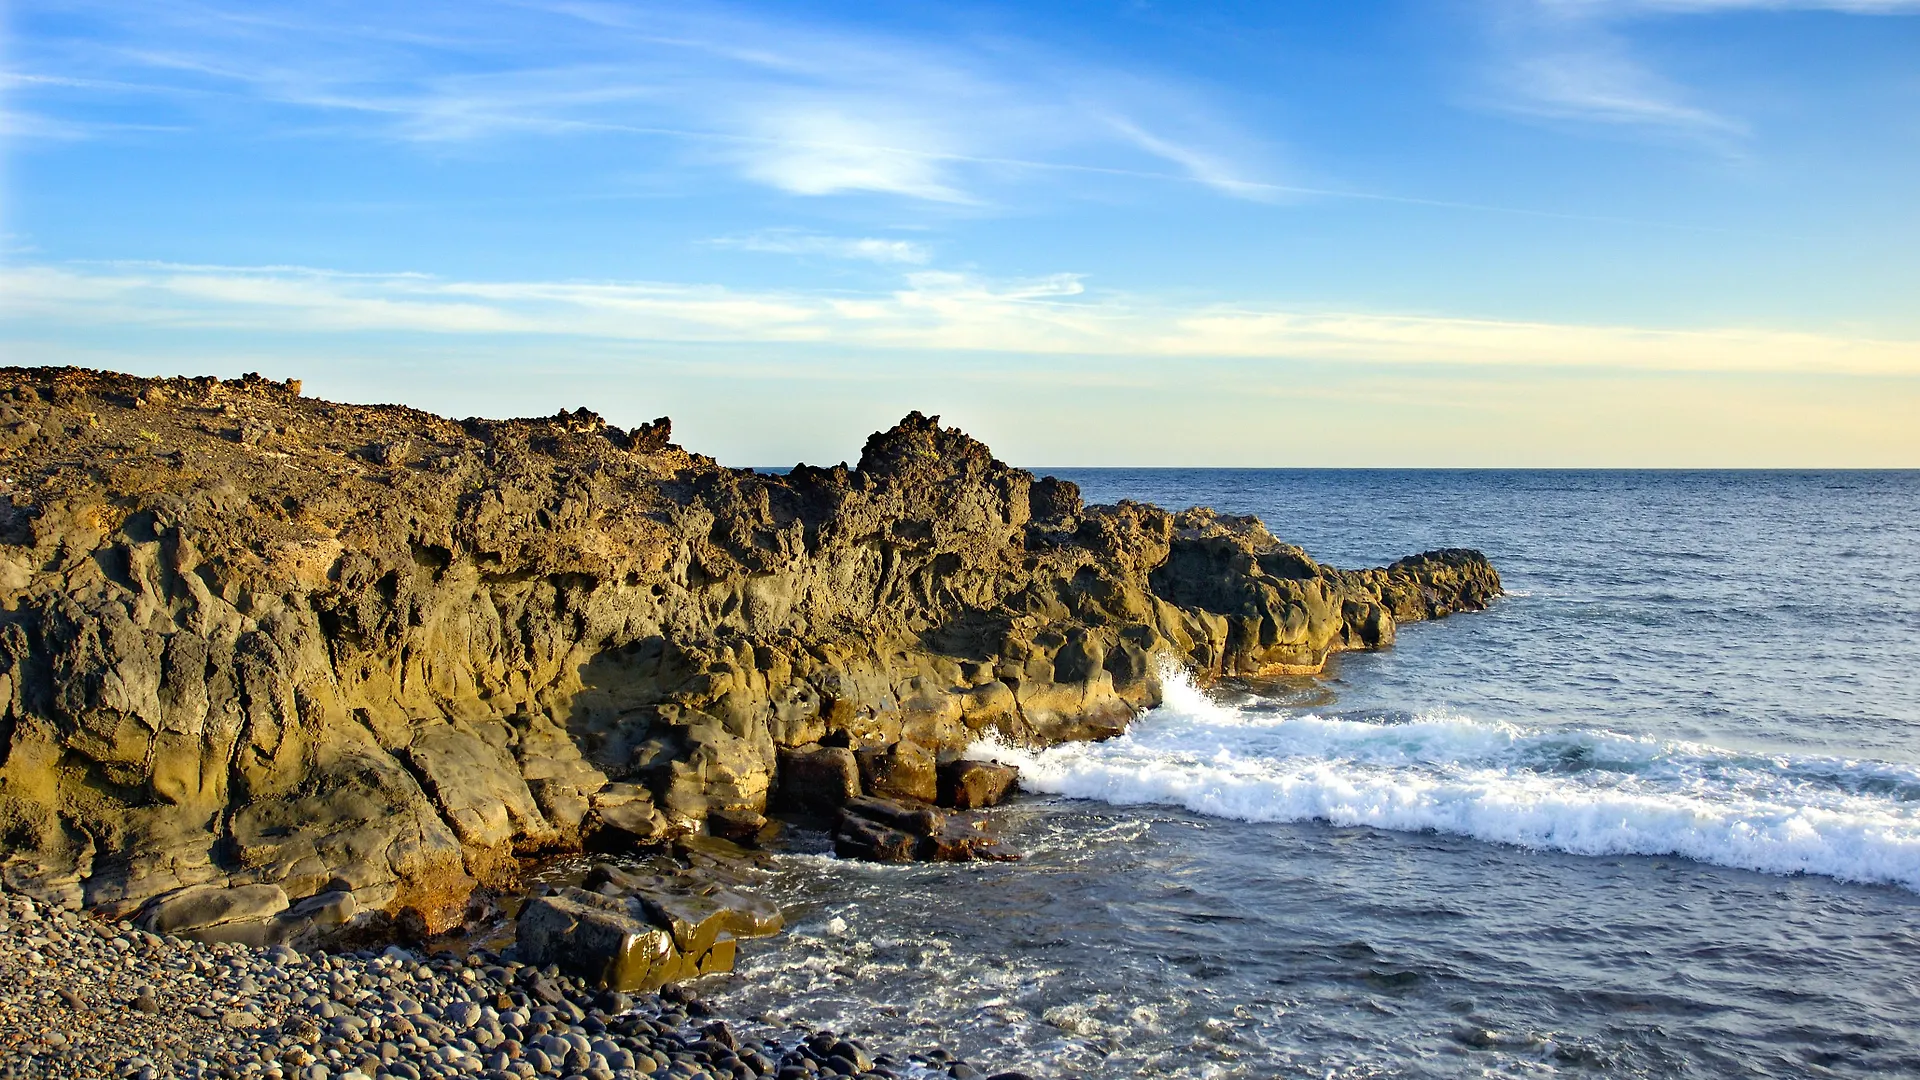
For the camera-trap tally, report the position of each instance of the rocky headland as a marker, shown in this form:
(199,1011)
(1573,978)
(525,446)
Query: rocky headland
(279,671)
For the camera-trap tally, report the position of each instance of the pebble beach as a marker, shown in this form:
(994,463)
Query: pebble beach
(82,999)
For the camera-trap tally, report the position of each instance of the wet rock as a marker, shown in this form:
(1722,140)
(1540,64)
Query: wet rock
(918,819)
(858,837)
(629,931)
(904,770)
(973,785)
(740,826)
(885,830)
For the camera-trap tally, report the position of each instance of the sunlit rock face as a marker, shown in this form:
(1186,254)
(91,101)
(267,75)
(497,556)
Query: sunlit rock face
(373,656)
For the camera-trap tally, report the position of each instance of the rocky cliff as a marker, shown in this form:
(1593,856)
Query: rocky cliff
(263,656)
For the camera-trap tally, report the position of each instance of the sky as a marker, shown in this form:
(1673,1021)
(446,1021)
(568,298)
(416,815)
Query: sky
(1503,233)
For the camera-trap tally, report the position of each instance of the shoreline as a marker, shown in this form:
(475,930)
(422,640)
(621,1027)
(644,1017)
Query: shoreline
(273,668)
(84,998)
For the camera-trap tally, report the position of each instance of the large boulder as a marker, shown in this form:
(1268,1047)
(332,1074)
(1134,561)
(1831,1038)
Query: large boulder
(966,784)
(631,931)
(904,770)
(818,779)
(600,939)
(211,905)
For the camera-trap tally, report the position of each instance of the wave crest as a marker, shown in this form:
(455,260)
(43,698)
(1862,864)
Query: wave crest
(1582,791)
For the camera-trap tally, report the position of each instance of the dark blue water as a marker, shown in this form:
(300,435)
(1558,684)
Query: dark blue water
(1657,813)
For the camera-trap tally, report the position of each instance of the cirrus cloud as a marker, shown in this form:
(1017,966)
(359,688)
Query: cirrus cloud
(804,106)
(930,311)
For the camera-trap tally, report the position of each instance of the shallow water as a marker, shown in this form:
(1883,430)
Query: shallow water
(1657,813)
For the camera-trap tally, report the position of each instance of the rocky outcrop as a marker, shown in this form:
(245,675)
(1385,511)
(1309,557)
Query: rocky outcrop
(252,641)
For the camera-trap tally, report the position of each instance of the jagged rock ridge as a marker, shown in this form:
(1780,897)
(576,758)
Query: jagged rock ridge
(358,659)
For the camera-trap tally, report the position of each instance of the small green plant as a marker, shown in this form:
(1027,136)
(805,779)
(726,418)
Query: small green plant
(150,436)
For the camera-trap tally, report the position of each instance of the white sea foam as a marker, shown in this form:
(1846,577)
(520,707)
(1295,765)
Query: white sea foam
(1581,791)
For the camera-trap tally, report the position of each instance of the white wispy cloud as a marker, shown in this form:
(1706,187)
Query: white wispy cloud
(1208,168)
(806,107)
(795,242)
(1566,60)
(1598,83)
(930,311)
(1574,60)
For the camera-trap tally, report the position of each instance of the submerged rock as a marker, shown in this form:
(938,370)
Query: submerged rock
(250,640)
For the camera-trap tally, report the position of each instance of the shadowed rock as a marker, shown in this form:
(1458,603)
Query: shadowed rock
(818,779)
(888,830)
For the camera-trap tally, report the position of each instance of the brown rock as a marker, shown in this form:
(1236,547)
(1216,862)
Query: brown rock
(268,640)
(966,784)
(739,826)
(818,779)
(916,818)
(905,770)
(864,838)
(886,830)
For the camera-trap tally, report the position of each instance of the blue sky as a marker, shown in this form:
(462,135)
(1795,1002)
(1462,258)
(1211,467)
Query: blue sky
(1448,232)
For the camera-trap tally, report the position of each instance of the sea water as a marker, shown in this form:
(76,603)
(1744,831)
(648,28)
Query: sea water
(1656,813)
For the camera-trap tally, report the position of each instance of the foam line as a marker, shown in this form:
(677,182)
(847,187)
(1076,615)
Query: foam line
(1581,791)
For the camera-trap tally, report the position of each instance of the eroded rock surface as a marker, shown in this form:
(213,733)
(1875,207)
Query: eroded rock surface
(362,659)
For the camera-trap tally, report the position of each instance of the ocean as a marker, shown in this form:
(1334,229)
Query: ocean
(1656,813)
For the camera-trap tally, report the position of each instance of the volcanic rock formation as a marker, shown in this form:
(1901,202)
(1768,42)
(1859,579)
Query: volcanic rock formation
(271,661)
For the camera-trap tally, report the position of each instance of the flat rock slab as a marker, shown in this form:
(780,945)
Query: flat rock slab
(210,905)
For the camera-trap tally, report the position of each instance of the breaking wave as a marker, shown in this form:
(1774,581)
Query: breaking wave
(1587,792)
